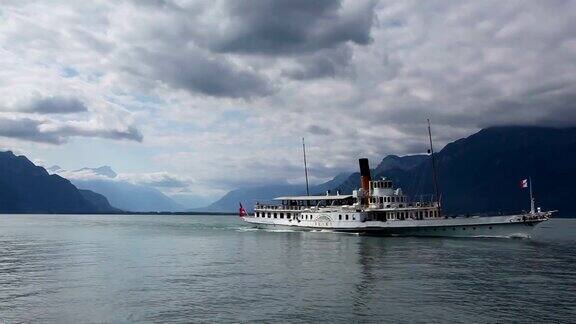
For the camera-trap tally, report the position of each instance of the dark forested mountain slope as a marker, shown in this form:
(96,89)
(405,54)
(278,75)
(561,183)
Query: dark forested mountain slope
(481,173)
(27,188)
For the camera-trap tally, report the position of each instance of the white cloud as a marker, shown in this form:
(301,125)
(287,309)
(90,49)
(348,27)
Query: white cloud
(222,91)
(165,181)
(162,180)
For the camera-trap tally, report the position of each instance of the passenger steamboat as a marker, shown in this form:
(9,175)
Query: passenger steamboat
(378,207)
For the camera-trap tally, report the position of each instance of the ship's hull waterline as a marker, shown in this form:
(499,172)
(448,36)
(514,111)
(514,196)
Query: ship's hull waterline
(480,227)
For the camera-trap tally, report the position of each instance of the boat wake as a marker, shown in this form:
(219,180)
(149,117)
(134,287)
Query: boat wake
(271,230)
(246,229)
(511,236)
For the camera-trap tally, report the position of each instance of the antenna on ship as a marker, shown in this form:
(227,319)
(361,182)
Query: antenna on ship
(305,167)
(434,175)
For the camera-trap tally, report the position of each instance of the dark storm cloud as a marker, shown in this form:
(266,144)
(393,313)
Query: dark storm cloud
(56,105)
(318,130)
(556,107)
(469,65)
(41,131)
(325,63)
(156,3)
(362,75)
(27,129)
(195,47)
(545,109)
(292,26)
(197,72)
(131,133)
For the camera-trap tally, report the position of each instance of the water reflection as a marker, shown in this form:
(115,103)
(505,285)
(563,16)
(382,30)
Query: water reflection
(183,269)
(370,253)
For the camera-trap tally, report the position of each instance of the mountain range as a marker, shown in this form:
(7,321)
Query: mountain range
(27,188)
(477,174)
(481,173)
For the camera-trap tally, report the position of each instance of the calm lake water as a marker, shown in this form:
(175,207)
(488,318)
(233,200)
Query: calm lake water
(117,269)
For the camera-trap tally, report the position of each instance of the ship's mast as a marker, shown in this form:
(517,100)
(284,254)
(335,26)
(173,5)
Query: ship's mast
(434,175)
(532,209)
(305,167)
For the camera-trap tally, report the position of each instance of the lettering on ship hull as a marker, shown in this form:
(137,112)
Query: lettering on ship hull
(323,221)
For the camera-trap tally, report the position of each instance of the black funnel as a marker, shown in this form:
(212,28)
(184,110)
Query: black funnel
(364,168)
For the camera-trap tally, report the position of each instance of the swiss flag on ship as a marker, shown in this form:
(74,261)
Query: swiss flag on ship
(241,211)
(524,183)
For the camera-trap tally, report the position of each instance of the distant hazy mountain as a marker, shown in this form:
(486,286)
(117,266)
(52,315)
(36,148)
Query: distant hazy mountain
(130,197)
(190,200)
(27,188)
(250,195)
(121,194)
(481,173)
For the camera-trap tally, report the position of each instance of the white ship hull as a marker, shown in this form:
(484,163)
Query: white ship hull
(520,225)
(377,207)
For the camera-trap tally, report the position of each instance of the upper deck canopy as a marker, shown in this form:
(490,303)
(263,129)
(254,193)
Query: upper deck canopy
(323,197)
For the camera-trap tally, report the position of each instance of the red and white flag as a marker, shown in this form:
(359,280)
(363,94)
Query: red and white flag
(241,211)
(524,183)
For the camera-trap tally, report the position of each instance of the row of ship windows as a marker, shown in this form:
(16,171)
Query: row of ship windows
(389,215)
(382,184)
(304,216)
(412,214)
(388,199)
(273,215)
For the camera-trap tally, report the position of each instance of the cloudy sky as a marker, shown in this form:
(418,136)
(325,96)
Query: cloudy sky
(198,97)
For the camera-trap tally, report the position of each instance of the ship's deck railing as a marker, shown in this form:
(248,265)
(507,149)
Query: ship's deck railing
(418,205)
(278,207)
(286,207)
(410,205)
